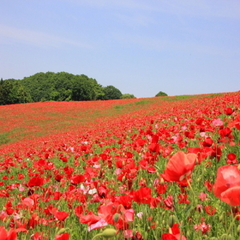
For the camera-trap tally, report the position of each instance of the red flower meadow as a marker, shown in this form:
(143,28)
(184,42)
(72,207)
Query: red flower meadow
(101,171)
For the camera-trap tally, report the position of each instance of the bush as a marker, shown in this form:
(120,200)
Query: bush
(161,94)
(111,92)
(127,95)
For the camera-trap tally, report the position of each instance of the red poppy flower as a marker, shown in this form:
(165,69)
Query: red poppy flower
(7,235)
(64,236)
(203,227)
(168,236)
(10,211)
(143,195)
(37,236)
(78,210)
(125,200)
(228,111)
(232,158)
(89,219)
(77,178)
(210,210)
(183,198)
(36,181)
(174,235)
(180,166)
(162,188)
(227,185)
(61,215)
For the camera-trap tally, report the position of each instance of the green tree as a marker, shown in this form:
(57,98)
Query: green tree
(127,95)
(111,92)
(1,92)
(161,94)
(19,94)
(11,92)
(63,84)
(97,89)
(55,95)
(40,86)
(82,89)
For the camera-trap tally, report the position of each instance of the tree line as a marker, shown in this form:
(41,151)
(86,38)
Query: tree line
(61,86)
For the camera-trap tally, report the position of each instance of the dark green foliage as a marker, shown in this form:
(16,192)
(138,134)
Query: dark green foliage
(82,89)
(62,86)
(52,86)
(127,96)
(12,91)
(110,92)
(161,94)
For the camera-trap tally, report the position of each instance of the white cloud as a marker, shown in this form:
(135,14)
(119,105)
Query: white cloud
(38,38)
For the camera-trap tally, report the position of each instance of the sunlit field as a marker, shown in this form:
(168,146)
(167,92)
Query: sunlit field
(163,168)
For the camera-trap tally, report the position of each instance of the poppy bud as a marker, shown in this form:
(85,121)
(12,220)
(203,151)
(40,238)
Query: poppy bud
(161,180)
(223,237)
(230,237)
(62,230)
(145,235)
(221,218)
(226,237)
(107,233)
(238,229)
(199,179)
(172,219)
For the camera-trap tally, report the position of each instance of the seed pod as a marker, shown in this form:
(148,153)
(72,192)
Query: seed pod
(116,217)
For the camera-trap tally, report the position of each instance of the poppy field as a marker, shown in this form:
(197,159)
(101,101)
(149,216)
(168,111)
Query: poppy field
(163,168)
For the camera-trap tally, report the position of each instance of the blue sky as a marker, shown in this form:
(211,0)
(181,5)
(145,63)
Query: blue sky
(139,46)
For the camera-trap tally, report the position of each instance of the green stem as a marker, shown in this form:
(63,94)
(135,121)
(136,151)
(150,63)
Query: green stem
(230,227)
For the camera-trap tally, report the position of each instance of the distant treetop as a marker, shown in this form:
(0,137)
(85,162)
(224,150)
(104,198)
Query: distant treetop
(161,94)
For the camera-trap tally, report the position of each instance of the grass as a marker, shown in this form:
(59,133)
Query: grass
(4,138)
(143,102)
(190,97)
